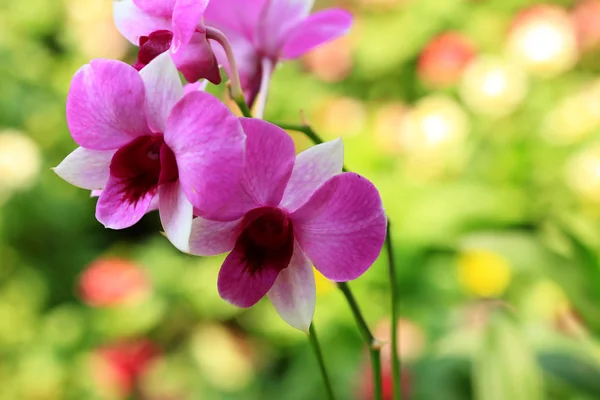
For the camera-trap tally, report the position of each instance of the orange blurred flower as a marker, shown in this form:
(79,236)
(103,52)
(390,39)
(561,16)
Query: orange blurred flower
(113,281)
(331,62)
(585,18)
(444,59)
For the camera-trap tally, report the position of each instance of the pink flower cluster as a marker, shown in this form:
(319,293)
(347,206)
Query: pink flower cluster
(221,183)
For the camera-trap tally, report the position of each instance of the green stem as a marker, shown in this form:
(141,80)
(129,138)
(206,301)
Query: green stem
(243,106)
(394,295)
(307,130)
(235,89)
(374,347)
(314,342)
(373,344)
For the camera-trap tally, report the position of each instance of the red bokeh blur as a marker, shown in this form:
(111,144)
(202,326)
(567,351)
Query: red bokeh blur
(387,382)
(112,281)
(585,16)
(120,365)
(444,59)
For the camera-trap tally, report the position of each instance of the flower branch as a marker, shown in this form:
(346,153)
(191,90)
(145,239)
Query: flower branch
(373,344)
(394,310)
(235,87)
(314,342)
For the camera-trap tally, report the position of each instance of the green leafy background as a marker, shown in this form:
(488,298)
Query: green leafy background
(512,199)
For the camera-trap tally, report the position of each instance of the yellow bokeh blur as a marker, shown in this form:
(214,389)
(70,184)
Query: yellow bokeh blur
(483,273)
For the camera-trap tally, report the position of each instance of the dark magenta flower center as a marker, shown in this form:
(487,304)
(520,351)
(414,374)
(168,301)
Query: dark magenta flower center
(267,238)
(151,46)
(143,164)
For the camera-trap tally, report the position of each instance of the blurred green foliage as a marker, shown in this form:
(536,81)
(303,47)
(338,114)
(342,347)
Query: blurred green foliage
(496,220)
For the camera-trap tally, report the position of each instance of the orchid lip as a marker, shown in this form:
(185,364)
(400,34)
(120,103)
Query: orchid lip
(143,164)
(267,235)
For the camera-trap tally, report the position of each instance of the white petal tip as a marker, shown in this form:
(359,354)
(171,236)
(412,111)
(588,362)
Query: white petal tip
(303,326)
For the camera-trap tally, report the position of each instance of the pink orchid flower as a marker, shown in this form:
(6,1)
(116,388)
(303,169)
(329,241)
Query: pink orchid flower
(159,25)
(294,211)
(141,137)
(262,32)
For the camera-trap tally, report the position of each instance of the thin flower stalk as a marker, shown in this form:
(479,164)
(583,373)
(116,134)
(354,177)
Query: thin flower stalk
(374,346)
(314,343)
(236,88)
(397,388)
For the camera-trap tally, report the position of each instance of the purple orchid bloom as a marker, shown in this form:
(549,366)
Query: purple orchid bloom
(142,137)
(293,212)
(176,25)
(262,32)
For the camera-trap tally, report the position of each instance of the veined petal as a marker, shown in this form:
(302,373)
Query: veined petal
(294,292)
(153,203)
(208,143)
(240,284)
(163,90)
(161,8)
(276,21)
(187,14)
(209,238)
(116,211)
(176,213)
(199,86)
(270,155)
(315,30)
(342,227)
(312,168)
(133,22)
(196,60)
(87,169)
(269,160)
(105,105)
(235,17)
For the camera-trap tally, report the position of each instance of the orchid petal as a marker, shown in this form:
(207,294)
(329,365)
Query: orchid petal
(187,15)
(294,292)
(270,155)
(342,227)
(162,8)
(163,90)
(312,168)
(87,169)
(235,17)
(105,105)
(115,210)
(277,19)
(176,213)
(133,22)
(209,238)
(153,203)
(240,285)
(315,30)
(196,60)
(199,86)
(208,143)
